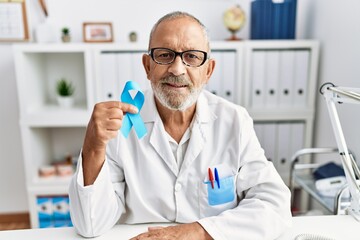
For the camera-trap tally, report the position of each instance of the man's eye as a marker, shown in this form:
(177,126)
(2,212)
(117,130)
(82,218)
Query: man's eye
(193,56)
(164,55)
(190,55)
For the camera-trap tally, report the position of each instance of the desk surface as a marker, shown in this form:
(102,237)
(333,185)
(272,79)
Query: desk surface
(333,227)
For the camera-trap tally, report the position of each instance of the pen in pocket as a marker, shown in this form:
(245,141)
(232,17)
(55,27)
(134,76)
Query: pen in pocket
(217,179)
(211,178)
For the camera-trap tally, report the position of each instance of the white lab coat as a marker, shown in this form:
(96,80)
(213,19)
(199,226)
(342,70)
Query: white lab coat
(141,182)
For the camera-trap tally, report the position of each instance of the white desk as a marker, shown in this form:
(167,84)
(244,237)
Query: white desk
(336,227)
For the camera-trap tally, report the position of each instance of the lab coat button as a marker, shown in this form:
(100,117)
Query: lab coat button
(177,187)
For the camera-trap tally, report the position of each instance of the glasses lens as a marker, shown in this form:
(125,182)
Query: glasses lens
(193,58)
(163,56)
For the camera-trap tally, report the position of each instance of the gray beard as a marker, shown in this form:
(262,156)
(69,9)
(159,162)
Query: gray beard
(172,100)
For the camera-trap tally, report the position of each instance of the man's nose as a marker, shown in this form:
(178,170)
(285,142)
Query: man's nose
(177,67)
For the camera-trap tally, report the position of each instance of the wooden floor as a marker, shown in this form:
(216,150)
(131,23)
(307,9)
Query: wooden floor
(14,221)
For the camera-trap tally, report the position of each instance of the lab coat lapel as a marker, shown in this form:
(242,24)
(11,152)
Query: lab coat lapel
(158,138)
(160,142)
(200,131)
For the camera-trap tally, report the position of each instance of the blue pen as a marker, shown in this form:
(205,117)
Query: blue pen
(217,179)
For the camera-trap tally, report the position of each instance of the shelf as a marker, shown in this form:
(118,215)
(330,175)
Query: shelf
(281,44)
(281,114)
(49,186)
(143,46)
(125,47)
(53,181)
(50,47)
(55,116)
(39,69)
(226,45)
(47,145)
(307,182)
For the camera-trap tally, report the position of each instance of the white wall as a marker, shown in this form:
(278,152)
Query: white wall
(321,19)
(139,15)
(337,29)
(12,179)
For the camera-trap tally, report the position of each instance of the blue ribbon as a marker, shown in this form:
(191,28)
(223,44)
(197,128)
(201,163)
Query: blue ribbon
(131,119)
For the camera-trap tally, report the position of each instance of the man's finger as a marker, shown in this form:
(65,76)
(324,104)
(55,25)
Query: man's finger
(129,108)
(125,107)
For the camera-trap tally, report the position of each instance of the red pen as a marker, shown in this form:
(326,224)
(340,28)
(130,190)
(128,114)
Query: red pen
(211,178)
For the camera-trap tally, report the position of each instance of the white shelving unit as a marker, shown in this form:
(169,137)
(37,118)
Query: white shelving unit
(49,132)
(99,71)
(280,80)
(291,67)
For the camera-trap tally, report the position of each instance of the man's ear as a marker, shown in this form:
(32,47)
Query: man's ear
(210,69)
(146,64)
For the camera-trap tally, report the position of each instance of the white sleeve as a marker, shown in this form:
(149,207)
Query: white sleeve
(264,209)
(96,208)
(264,213)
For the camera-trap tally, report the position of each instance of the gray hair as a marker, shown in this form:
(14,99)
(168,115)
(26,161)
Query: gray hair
(175,15)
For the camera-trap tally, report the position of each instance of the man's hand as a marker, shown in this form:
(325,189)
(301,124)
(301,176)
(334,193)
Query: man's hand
(189,231)
(104,124)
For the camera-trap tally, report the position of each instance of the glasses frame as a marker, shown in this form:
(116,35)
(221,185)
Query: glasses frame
(151,54)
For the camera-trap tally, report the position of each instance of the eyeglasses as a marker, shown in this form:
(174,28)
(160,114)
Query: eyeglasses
(192,58)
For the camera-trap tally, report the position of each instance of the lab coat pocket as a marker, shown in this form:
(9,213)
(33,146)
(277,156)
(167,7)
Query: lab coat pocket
(214,201)
(223,194)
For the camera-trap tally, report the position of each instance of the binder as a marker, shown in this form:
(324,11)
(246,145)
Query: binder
(284,22)
(273,20)
(292,18)
(280,141)
(269,141)
(284,150)
(138,73)
(46,224)
(124,69)
(277,18)
(286,77)
(272,78)
(257,79)
(214,84)
(62,223)
(259,130)
(290,139)
(53,211)
(44,209)
(297,137)
(61,208)
(109,76)
(301,77)
(229,78)
(267,20)
(255,20)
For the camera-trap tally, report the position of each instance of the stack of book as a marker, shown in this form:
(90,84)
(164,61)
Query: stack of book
(272,19)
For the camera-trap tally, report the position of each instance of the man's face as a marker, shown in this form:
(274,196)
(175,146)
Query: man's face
(176,85)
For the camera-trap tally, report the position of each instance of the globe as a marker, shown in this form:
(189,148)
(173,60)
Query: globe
(234,20)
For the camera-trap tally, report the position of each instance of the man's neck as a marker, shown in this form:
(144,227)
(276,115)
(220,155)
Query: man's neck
(175,122)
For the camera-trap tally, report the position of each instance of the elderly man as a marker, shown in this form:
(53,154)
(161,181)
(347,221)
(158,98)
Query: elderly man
(200,163)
